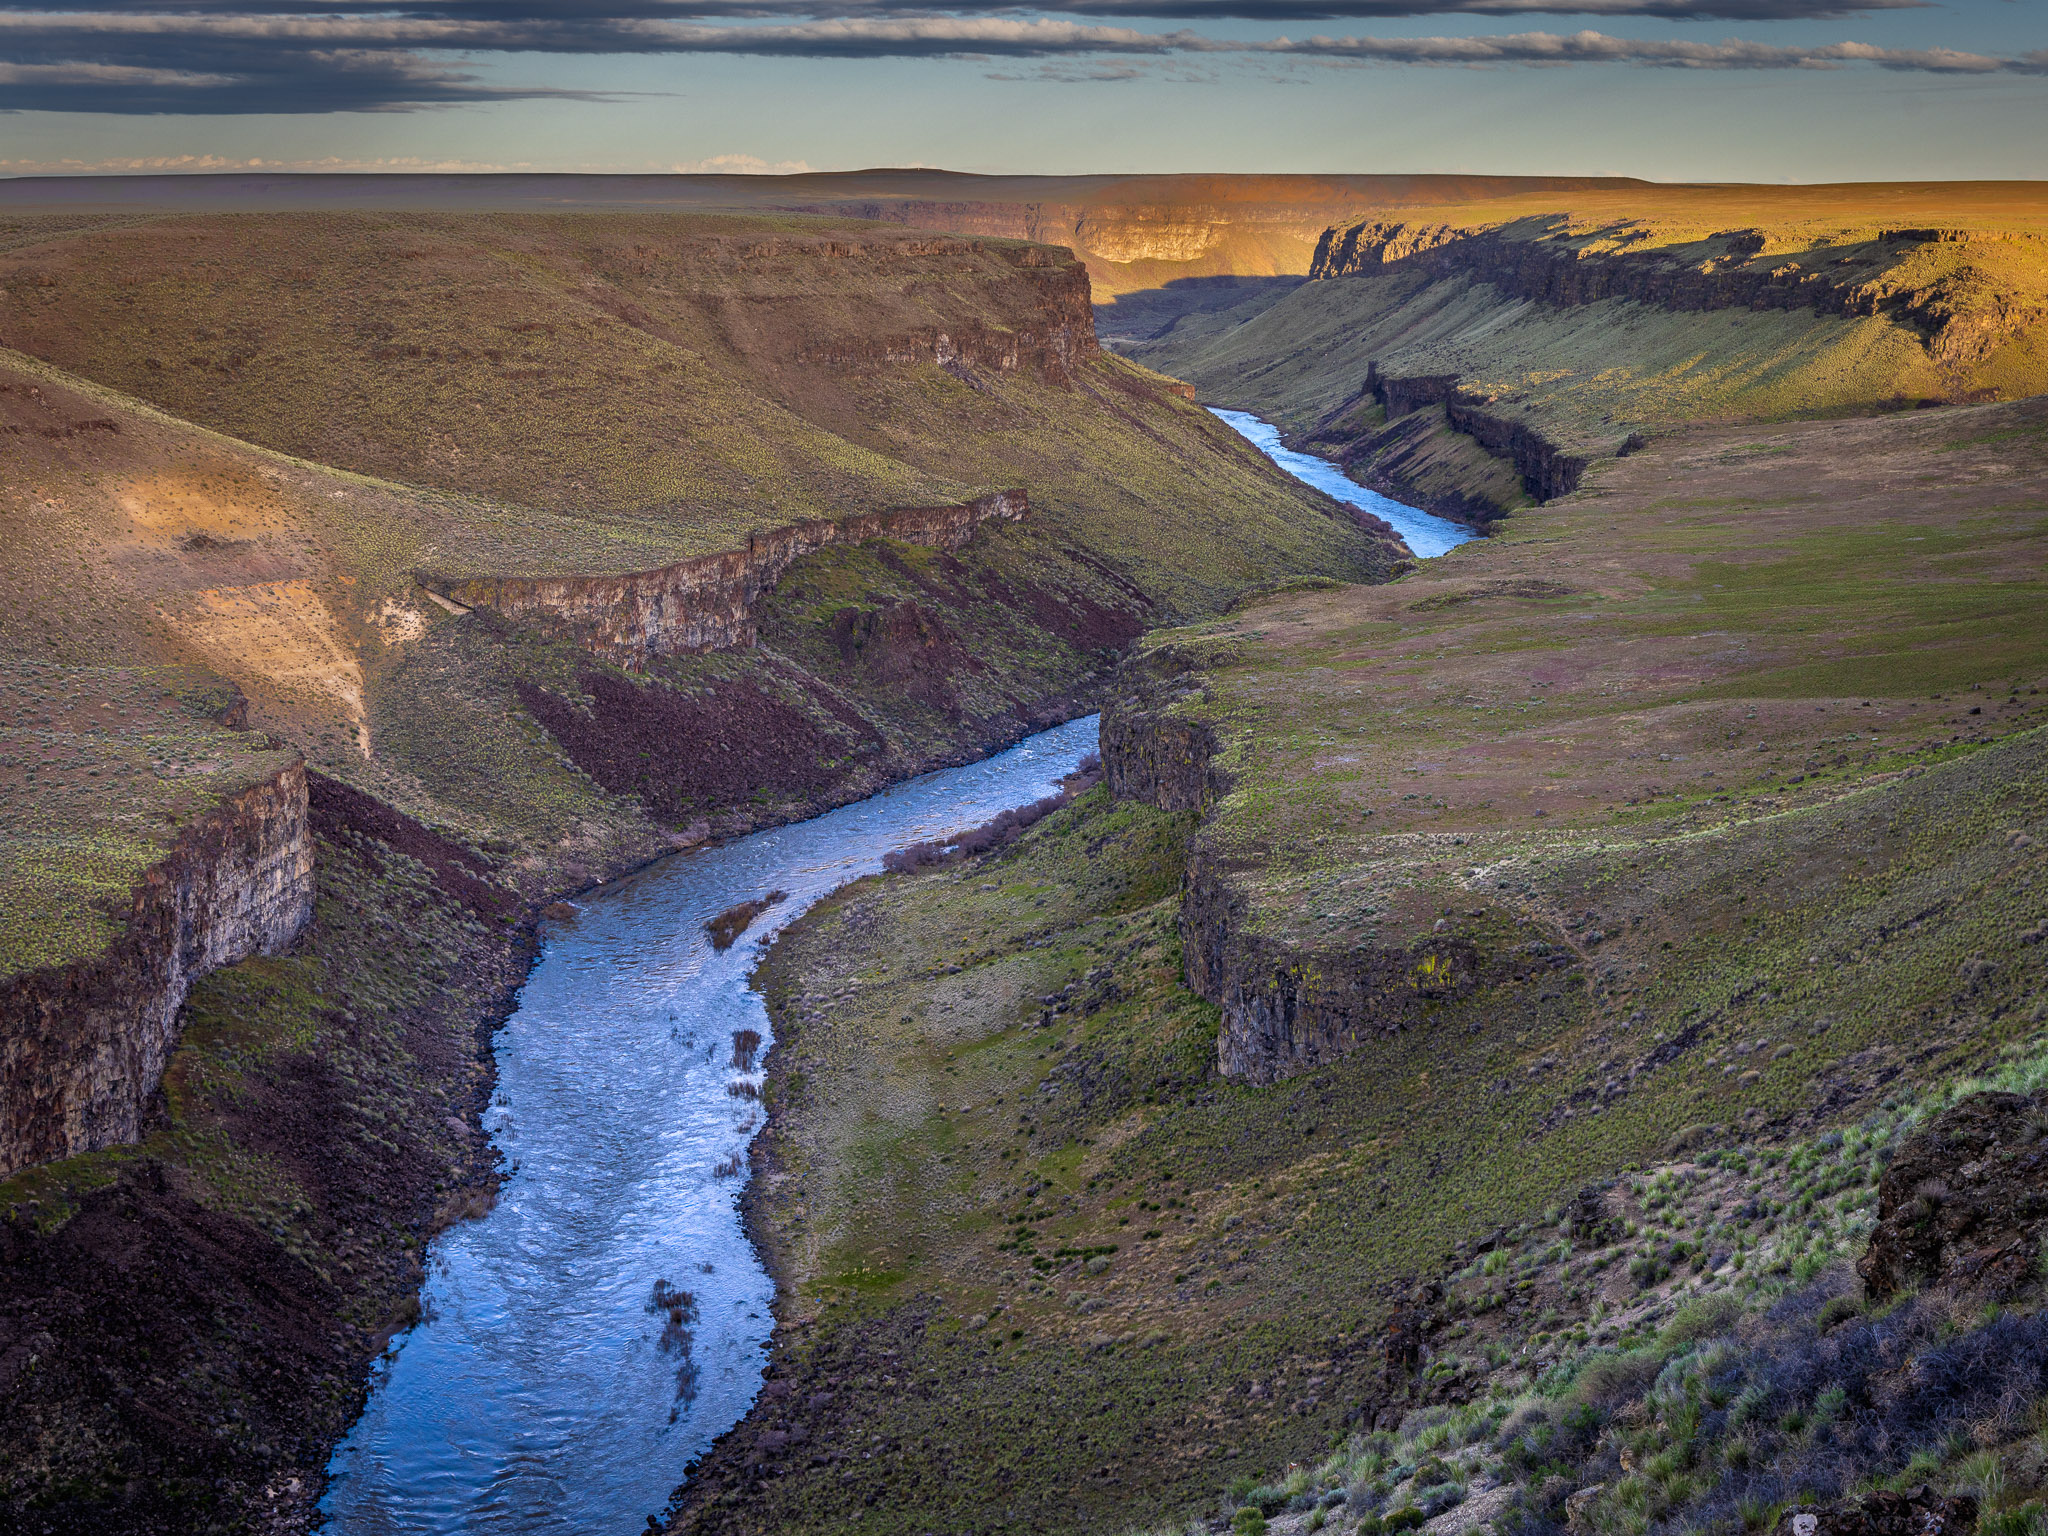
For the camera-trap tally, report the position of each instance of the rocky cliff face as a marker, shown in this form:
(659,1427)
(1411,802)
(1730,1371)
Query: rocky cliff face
(83,1046)
(1954,318)
(1164,762)
(1547,470)
(707,603)
(1285,1009)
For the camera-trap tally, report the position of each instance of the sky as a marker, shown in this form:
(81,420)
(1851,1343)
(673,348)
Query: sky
(1673,90)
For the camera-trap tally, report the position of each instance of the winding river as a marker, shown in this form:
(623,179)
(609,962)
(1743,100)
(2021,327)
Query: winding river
(1425,533)
(608,1318)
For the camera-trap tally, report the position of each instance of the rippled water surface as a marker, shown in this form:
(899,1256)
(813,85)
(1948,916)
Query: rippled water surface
(549,1388)
(1426,533)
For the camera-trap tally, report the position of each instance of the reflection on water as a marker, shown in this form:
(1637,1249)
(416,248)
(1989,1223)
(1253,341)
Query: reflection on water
(608,1319)
(1424,532)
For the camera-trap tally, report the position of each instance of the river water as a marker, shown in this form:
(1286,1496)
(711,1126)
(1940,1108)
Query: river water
(608,1318)
(1426,534)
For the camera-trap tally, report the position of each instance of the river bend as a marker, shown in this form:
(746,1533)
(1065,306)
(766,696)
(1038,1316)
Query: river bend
(608,1318)
(1425,533)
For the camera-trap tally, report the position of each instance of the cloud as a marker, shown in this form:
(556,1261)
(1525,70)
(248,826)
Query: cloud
(139,165)
(575,15)
(737,165)
(243,61)
(1552,48)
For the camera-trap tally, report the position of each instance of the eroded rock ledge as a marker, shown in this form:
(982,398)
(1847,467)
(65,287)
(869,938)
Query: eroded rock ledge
(707,603)
(1547,470)
(1555,272)
(1285,1008)
(83,1046)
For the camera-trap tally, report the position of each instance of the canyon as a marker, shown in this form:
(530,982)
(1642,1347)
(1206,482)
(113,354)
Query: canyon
(249,1021)
(349,624)
(1408,911)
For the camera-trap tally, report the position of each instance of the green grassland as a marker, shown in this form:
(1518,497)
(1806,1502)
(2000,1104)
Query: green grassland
(1604,1337)
(1953,318)
(1676,733)
(138,536)
(102,768)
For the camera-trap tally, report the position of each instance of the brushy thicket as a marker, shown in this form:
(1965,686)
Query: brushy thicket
(1750,1401)
(1806,1403)
(1003,828)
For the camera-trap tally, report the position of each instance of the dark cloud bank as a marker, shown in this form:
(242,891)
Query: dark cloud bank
(242,56)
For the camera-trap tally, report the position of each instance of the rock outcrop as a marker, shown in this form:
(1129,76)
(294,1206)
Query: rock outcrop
(83,1046)
(1160,760)
(1547,470)
(1964,1203)
(707,603)
(1958,325)
(1285,1009)
(1916,1512)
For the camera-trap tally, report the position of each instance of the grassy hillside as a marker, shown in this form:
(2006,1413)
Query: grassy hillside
(170,576)
(216,539)
(611,392)
(1725,779)
(1592,323)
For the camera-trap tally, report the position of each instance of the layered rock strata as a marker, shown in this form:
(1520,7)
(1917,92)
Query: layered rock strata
(706,603)
(1547,470)
(83,1046)
(1958,327)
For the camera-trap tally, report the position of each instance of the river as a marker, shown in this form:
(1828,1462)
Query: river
(608,1319)
(548,1387)
(1426,534)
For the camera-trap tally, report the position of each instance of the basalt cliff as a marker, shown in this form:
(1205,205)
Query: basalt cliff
(709,603)
(83,1045)
(1478,364)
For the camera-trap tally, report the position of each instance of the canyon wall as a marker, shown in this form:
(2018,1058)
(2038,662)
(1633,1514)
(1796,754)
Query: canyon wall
(707,603)
(1546,470)
(83,1046)
(1823,279)
(1285,1008)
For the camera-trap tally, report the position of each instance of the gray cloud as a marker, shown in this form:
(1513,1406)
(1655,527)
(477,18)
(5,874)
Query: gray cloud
(141,61)
(1552,48)
(574,15)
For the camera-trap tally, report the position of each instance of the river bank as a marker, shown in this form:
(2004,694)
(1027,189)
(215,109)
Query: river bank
(1104,1245)
(542,1386)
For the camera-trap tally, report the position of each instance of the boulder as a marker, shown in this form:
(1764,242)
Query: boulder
(1919,1512)
(1964,1203)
